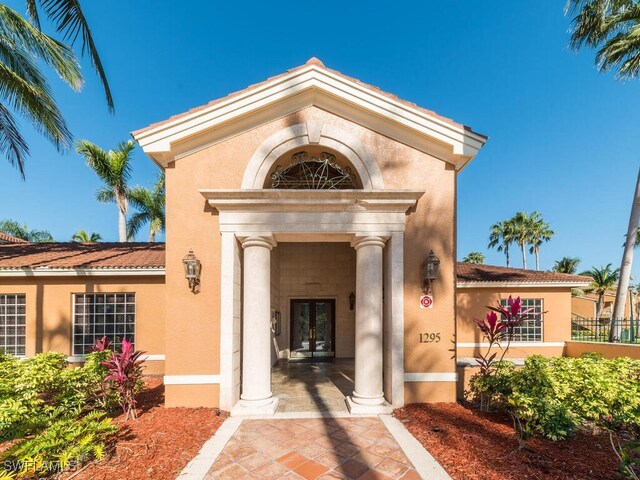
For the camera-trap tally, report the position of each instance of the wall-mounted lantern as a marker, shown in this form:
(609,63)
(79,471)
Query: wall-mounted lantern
(431,266)
(352,300)
(192,267)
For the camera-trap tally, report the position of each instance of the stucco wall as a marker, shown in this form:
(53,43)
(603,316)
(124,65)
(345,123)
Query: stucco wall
(49,310)
(191,224)
(556,323)
(608,350)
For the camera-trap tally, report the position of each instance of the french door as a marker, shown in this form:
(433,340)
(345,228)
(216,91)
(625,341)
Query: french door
(312,328)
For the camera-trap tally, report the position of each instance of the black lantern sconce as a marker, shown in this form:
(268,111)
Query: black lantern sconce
(430,273)
(192,267)
(352,300)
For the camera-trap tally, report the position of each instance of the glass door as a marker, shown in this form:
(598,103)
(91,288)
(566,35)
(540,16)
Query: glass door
(312,328)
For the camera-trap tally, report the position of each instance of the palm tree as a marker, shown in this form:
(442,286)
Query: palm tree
(83,237)
(474,257)
(13,228)
(114,169)
(501,236)
(522,225)
(24,88)
(603,279)
(150,205)
(612,27)
(566,265)
(540,233)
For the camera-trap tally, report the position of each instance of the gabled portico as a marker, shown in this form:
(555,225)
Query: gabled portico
(316,157)
(254,221)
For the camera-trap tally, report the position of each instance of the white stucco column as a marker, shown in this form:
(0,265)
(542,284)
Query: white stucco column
(256,397)
(368,396)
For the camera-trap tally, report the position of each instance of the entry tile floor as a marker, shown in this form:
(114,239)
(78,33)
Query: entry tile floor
(312,387)
(312,448)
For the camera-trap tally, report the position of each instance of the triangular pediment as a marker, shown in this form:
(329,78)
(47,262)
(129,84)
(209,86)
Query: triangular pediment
(311,84)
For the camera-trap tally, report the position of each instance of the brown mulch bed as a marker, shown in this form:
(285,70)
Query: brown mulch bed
(473,445)
(159,443)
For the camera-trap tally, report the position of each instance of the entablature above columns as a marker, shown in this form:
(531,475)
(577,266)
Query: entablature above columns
(361,212)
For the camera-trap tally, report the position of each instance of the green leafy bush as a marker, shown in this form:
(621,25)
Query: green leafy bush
(555,396)
(65,443)
(58,411)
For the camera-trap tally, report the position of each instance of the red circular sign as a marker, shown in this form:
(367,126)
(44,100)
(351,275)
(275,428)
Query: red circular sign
(426,301)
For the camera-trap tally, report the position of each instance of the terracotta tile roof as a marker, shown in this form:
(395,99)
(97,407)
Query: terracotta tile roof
(81,255)
(312,61)
(474,273)
(6,238)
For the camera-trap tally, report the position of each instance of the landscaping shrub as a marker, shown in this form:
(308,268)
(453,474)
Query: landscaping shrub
(66,442)
(125,371)
(554,396)
(57,413)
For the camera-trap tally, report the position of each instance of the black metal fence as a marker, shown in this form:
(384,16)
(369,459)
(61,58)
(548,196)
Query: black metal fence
(597,330)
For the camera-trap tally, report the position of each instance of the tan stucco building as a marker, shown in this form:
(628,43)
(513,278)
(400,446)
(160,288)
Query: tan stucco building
(309,164)
(311,202)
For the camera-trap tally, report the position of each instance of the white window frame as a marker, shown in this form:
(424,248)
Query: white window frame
(504,302)
(4,337)
(129,336)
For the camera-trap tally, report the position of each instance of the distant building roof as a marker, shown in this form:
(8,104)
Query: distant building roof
(73,255)
(472,274)
(6,238)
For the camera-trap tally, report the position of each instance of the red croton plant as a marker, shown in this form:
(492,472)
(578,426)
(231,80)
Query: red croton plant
(125,371)
(498,331)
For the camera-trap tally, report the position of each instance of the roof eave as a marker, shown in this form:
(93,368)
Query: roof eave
(157,141)
(513,284)
(82,272)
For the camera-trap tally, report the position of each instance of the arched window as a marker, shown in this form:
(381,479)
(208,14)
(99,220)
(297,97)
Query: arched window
(313,172)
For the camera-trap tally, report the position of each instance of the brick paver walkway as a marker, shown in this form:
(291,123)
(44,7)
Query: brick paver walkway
(322,448)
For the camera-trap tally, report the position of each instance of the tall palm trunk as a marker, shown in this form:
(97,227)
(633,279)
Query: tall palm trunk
(123,206)
(599,307)
(536,251)
(625,267)
(506,252)
(152,236)
(524,256)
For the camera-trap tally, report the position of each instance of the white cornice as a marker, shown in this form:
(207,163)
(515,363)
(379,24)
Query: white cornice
(520,284)
(159,142)
(274,200)
(81,272)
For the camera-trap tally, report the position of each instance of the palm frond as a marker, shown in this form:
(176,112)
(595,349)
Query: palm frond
(135,223)
(70,21)
(613,26)
(105,195)
(13,228)
(12,144)
(19,33)
(36,104)
(98,160)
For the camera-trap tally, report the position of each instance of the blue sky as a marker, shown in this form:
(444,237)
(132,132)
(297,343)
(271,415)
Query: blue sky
(563,138)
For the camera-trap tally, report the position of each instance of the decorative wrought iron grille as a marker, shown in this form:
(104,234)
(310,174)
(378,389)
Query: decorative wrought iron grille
(313,173)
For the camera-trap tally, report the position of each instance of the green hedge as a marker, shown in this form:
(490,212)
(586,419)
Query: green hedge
(555,396)
(59,413)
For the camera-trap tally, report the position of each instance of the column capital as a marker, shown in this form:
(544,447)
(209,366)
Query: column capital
(266,241)
(368,241)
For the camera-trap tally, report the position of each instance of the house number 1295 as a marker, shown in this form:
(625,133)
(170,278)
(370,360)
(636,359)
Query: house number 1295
(429,337)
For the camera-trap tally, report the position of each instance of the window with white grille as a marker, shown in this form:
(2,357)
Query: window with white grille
(531,329)
(13,321)
(96,315)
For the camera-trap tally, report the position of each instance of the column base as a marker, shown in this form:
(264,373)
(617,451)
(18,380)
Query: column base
(246,408)
(358,409)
